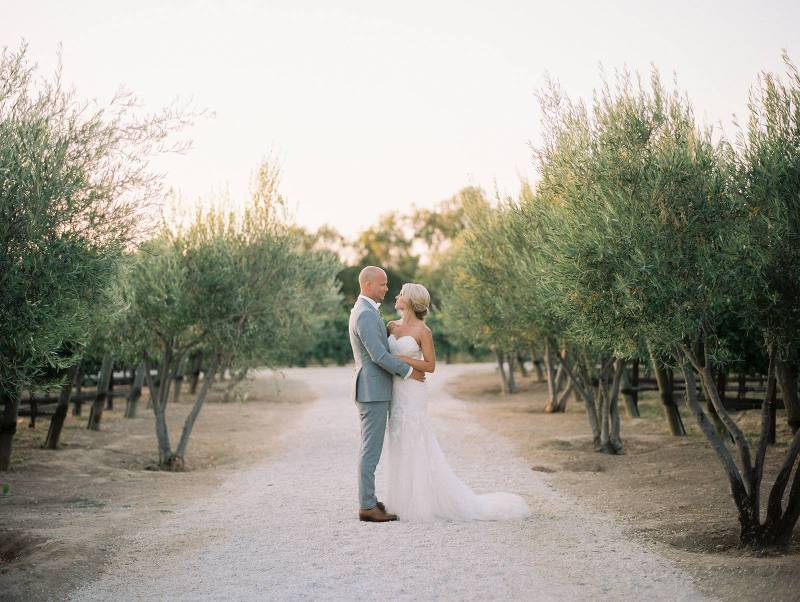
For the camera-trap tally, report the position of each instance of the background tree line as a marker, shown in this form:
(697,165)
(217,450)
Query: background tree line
(410,247)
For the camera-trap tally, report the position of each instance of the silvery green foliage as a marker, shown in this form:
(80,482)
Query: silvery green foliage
(530,229)
(477,307)
(241,288)
(238,284)
(73,178)
(769,182)
(646,241)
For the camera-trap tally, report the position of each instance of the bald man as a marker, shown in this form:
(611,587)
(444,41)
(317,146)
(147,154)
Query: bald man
(372,385)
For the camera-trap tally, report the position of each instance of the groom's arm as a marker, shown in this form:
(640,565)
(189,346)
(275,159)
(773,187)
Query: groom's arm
(374,340)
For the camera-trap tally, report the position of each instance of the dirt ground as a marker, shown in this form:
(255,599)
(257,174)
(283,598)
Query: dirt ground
(65,510)
(668,490)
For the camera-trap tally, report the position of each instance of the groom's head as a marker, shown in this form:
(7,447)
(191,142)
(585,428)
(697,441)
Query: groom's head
(373,282)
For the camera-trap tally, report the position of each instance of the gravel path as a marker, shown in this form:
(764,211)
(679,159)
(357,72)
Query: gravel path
(287,529)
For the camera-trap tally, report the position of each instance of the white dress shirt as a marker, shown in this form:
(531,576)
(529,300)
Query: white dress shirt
(372,302)
(376,305)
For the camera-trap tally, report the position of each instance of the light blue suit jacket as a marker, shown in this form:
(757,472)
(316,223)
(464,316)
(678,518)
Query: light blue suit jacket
(375,365)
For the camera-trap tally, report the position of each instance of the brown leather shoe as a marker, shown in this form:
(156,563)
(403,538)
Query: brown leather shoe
(381,506)
(375,515)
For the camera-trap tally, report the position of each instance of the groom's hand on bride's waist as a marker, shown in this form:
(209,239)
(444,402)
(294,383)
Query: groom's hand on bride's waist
(417,375)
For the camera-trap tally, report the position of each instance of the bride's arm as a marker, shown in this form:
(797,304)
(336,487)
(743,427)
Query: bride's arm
(428,363)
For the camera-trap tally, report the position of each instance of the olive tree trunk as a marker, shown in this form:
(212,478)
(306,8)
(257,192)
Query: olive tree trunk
(158,398)
(110,391)
(60,414)
(602,401)
(77,404)
(188,425)
(537,365)
(500,365)
(167,458)
(550,374)
(559,386)
(610,441)
(236,378)
(512,383)
(103,380)
(8,425)
(179,374)
(565,389)
(194,374)
(787,378)
(579,373)
(135,393)
(664,379)
(521,363)
(745,474)
(630,381)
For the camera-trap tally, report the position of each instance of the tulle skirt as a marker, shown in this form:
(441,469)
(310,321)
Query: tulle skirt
(420,485)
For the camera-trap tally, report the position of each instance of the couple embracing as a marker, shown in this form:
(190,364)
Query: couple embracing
(392,400)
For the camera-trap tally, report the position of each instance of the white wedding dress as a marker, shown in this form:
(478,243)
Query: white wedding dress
(421,486)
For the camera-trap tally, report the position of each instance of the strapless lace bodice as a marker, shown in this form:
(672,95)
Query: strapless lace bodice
(405,345)
(409,397)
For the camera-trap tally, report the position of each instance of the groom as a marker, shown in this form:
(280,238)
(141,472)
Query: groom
(375,366)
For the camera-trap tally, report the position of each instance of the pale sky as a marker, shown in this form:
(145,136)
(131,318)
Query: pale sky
(372,106)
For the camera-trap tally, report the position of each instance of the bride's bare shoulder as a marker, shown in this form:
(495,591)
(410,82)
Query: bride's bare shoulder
(423,332)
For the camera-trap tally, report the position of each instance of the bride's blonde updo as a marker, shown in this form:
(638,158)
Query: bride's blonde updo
(417,297)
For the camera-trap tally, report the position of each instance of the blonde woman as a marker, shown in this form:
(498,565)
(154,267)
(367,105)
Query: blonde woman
(421,486)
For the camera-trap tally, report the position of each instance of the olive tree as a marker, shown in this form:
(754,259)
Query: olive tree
(665,246)
(74,178)
(769,166)
(769,182)
(571,265)
(478,307)
(527,233)
(237,287)
(291,292)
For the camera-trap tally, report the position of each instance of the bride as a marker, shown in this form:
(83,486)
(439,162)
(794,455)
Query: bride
(421,486)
